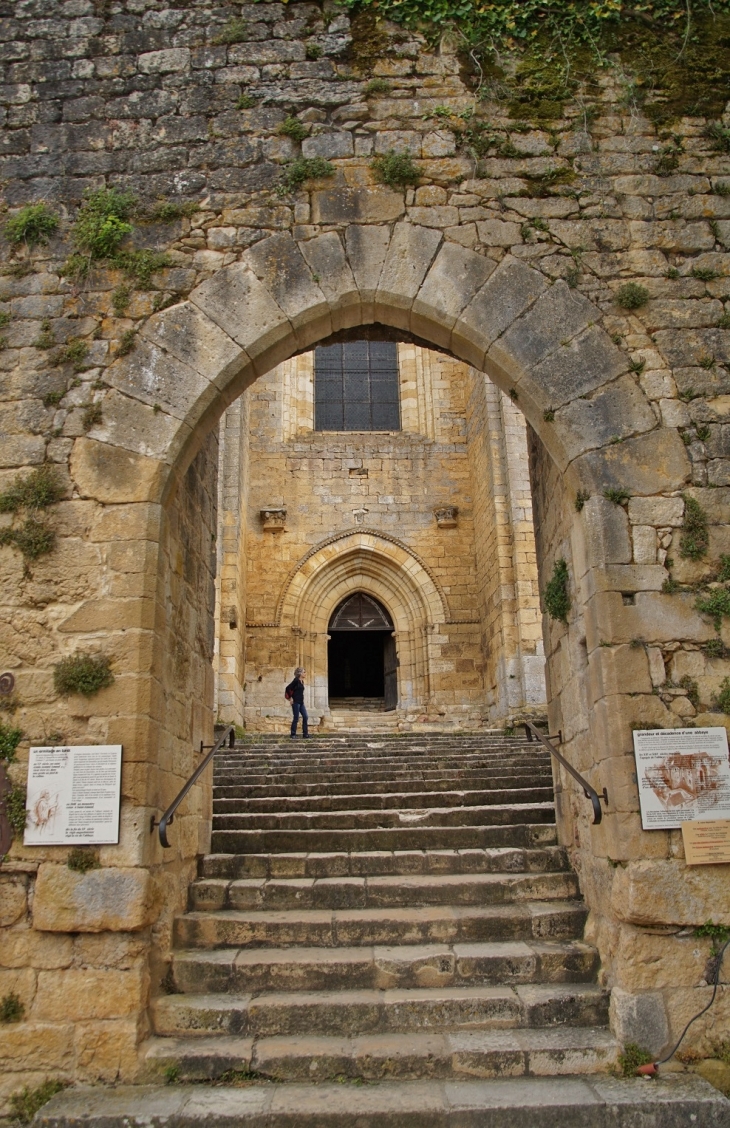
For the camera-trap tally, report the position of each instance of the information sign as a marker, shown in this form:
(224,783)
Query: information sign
(73,795)
(683,775)
(706,843)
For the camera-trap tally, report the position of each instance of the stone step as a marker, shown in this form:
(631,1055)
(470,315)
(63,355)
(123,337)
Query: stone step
(549,859)
(435,924)
(349,819)
(380,891)
(392,800)
(674,1101)
(276,1014)
(368,759)
(438,783)
(375,1057)
(244,970)
(415,837)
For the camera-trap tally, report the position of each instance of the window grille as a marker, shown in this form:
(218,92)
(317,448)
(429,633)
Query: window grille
(356,387)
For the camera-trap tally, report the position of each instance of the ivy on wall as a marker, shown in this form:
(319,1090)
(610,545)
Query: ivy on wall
(676,52)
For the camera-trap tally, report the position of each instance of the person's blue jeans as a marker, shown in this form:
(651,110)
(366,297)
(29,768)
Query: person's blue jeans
(298,710)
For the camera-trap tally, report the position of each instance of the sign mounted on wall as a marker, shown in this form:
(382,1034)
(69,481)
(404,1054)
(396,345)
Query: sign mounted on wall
(74,795)
(706,843)
(683,775)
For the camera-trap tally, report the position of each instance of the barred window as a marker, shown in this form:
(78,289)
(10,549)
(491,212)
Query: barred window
(356,387)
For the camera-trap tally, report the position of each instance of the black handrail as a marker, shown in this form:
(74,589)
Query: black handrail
(229,733)
(588,791)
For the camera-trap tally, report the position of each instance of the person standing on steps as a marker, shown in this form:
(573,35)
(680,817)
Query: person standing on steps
(294,693)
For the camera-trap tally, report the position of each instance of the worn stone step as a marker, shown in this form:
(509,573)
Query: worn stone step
(496,860)
(381,1012)
(378,891)
(674,1101)
(497,814)
(436,924)
(392,800)
(440,965)
(437,783)
(448,760)
(375,1057)
(519,833)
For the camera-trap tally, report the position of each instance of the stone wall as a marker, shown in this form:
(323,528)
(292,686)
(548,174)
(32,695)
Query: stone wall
(514,265)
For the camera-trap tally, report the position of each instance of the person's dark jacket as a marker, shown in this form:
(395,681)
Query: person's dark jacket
(297,691)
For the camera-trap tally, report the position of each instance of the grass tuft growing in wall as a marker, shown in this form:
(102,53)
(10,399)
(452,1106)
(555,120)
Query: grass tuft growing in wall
(297,172)
(10,738)
(397,170)
(632,296)
(11,1008)
(32,225)
(82,860)
(557,597)
(39,489)
(25,1104)
(82,673)
(15,808)
(695,537)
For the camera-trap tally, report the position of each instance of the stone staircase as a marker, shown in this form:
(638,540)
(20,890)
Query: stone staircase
(383,908)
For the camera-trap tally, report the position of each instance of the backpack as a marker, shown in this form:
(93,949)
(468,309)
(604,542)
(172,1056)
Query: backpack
(288,693)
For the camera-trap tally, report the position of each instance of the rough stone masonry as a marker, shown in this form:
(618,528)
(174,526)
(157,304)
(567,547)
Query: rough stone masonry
(512,264)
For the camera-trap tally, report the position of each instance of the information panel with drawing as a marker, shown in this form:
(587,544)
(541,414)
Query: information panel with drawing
(683,775)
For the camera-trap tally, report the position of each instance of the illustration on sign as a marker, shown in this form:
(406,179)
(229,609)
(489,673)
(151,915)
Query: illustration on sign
(683,775)
(74,795)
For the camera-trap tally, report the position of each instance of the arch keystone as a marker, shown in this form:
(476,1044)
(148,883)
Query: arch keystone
(410,254)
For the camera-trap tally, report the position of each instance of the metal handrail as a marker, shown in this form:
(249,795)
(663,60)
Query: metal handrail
(228,733)
(588,791)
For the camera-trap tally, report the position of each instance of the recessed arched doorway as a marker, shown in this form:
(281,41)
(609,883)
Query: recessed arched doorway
(361,652)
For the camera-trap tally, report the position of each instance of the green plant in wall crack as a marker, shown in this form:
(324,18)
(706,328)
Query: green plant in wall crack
(297,172)
(82,673)
(631,1057)
(716,604)
(15,802)
(695,537)
(10,738)
(292,127)
(632,296)
(103,223)
(37,490)
(557,596)
(32,225)
(722,700)
(397,170)
(11,1008)
(25,1104)
(81,859)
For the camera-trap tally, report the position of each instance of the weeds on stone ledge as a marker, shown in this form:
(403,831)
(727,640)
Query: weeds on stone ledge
(235,31)
(292,127)
(82,673)
(397,170)
(39,489)
(631,1057)
(92,416)
(33,539)
(580,499)
(82,860)
(25,1104)
(15,802)
(127,342)
(33,224)
(722,699)
(617,496)
(246,102)
(299,171)
(377,86)
(716,604)
(719,136)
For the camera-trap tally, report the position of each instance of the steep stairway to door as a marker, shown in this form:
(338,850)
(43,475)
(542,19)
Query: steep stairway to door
(383,908)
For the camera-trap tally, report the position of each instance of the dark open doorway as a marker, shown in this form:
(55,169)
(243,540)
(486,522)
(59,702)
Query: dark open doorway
(361,652)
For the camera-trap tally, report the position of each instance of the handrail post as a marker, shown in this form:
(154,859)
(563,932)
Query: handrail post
(588,791)
(229,734)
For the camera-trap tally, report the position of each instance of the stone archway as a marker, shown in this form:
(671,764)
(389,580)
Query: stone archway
(383,568)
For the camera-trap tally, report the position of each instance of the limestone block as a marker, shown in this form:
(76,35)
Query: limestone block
(639,1018)
(671,892)
(606,530)
(80,994)
(136,426)
(659,511)
(625,578)
(621,838)
(111,475)
(357,205)
(278,263)
(711,1069)
(684,347)
(186,333)
(507,293)
(135,841)
(498,233)
(106,1051)
(13,899)
(25,946)
(410,253)
(116,900)
(616,717)
(451,283)
(557,316)
(36,1045)
(715,502)
(673,314)
(326,258)
(657,669)
(237,301)
(328,145)
(644,538)
(618,669)
(440,143)
(644,960)
(109,615)
(648,464)
(366,250)
(163,62)
(614,413)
